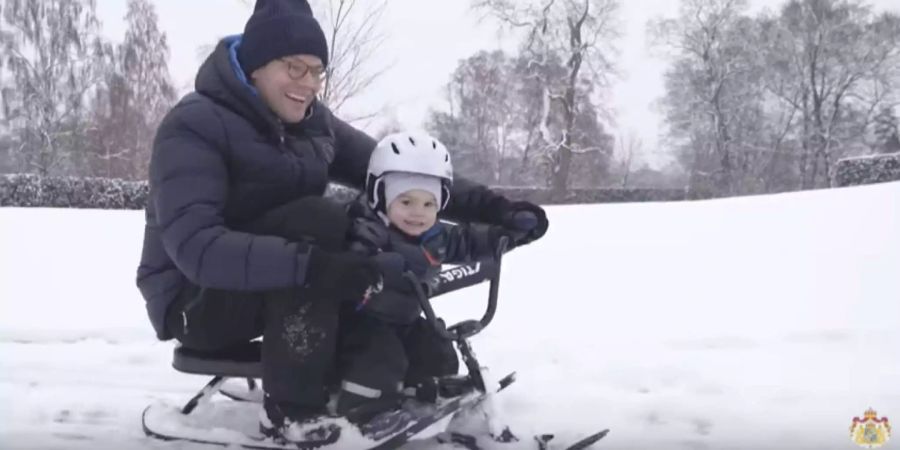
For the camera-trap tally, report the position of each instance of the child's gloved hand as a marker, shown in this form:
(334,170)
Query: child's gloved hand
(525,221)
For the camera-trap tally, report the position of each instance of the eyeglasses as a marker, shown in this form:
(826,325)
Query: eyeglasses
(298,69)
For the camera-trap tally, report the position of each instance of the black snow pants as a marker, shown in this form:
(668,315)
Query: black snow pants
(378,359)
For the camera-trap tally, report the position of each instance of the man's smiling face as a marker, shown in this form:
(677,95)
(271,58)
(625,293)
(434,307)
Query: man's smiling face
(288,85)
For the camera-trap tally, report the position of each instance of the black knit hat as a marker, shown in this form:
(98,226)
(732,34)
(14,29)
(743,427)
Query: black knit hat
(280,28)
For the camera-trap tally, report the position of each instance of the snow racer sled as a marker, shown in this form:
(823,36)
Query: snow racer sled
(233,421)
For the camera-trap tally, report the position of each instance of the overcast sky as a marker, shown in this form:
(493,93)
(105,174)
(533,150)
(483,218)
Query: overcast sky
(426,40)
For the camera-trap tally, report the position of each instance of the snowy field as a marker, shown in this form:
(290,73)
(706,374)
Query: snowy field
(747,323)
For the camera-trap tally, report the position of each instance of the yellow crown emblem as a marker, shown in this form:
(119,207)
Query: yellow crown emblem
(870,431)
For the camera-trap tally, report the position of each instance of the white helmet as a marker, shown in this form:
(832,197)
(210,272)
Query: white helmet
(416,153)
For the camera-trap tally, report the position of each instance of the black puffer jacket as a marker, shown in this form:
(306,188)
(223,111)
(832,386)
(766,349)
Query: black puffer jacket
(220,159)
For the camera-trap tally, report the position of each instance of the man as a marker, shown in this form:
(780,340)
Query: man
(239,242)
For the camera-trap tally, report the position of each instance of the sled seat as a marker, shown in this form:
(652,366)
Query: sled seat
(238,361)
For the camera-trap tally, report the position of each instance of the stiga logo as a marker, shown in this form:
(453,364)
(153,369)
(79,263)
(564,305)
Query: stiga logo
(870,431)
(460,272)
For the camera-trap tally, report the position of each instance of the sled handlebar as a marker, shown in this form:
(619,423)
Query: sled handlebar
(461,277)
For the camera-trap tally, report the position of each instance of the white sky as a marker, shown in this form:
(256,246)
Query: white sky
(426,39)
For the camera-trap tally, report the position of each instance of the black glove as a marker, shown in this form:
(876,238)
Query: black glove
(392,267)
(368,235)
(344,276)
(525,221)
(398,302)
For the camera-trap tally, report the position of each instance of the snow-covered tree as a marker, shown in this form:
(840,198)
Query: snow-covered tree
(766,103)
(494,121)
(51,52)
(832,64)
(579,35)
(887,131)
(136,93)
(479,123)
(713,98)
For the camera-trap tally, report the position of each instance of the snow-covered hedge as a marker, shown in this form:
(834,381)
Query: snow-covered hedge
(30,190)
(867,170)
(103,193)
(70,192)
(609,195)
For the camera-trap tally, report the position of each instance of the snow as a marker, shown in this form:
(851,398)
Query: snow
(870,157)
(744,323)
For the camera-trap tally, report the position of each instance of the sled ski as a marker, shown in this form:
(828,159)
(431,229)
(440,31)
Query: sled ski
(586,442)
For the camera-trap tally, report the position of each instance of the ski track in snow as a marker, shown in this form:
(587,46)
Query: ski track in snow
(90,394)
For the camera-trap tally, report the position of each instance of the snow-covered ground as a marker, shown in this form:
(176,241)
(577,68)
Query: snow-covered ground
(746,323)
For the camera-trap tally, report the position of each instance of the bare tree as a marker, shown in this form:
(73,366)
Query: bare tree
(629,148)
(355,33)
(389,124)
(581,34)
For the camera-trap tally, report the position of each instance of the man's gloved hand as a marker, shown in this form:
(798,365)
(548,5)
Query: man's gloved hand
(392,267)
(368,235)
(397,303)
(344,276)
(525,222)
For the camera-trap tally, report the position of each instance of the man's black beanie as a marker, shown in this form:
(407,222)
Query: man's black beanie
(280,28)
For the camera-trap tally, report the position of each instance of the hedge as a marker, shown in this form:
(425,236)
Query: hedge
(867,170)
(28,190)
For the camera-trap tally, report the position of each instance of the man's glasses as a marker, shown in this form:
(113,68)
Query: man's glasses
(298,69)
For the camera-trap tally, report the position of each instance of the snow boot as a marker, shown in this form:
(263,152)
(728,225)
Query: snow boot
(307,427)
(376,418)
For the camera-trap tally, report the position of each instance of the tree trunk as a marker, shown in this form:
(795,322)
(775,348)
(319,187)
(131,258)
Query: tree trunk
(564,160)
(561,173)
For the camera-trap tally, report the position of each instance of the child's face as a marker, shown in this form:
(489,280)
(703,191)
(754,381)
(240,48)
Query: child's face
(413,212)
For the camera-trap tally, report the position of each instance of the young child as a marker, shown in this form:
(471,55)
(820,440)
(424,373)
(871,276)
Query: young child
(391,346)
